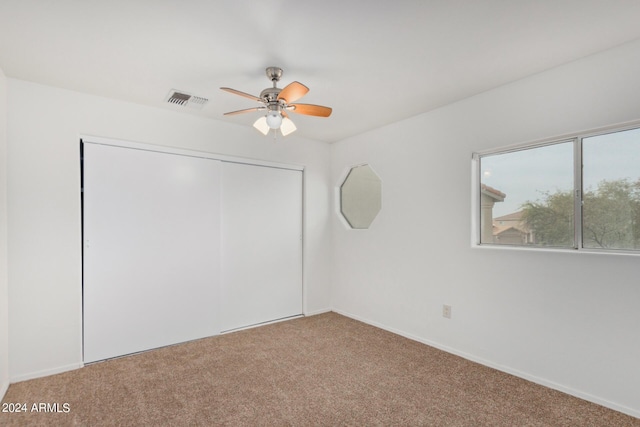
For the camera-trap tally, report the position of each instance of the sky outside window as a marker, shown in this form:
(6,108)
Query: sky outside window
(611,157)
(526,175)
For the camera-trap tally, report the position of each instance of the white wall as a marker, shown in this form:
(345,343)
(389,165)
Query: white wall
(44,125)
(567,320)
(4,291)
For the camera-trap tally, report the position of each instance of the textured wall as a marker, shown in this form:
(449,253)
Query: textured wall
(4,291)
(44,127)
(568,320)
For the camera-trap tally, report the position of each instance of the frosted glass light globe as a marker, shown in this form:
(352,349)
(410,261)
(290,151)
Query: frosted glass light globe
(274,119)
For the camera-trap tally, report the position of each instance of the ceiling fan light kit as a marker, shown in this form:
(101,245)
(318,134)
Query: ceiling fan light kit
(277,102)
(287,126)
(274,119)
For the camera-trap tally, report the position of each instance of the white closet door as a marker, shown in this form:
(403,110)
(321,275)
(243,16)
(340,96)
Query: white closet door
(262,244)
(151,250)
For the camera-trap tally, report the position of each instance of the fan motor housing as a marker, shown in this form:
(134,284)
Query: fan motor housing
(270,94)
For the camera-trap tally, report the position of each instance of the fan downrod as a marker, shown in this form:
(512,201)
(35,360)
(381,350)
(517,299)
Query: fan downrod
(270,94)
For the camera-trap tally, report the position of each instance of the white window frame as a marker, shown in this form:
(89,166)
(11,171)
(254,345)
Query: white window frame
(576,139)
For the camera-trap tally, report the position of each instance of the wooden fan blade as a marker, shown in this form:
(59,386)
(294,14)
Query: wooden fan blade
(292,92)
(237,92)
(247,110)
(311,110)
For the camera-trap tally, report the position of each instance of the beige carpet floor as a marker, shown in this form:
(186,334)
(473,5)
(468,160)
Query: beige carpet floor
(325,370)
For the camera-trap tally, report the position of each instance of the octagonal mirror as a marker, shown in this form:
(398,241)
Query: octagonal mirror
(361,196)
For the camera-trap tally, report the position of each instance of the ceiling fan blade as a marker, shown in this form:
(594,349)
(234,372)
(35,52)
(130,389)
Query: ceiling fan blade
(311,110)
(237,92)
(247,110)
(292,92)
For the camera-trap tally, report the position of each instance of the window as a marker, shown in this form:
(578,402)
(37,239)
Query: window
(578,193)
(611,190)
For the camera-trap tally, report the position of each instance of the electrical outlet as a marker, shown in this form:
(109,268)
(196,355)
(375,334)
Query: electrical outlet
(446,311)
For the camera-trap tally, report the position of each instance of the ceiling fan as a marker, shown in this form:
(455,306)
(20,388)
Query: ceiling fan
(277,103)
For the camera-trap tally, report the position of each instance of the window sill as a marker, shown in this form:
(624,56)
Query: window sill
(617,252)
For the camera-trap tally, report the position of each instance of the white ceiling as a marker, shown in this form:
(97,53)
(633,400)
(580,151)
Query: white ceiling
(373,61)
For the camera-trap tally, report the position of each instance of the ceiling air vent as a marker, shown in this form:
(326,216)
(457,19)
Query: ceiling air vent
(184,99)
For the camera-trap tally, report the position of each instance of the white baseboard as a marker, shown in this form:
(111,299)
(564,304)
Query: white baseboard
(46,372)
(3,390)
(316,312)
(541,381)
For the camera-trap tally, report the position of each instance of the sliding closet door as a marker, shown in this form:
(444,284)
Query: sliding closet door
(151,250)
(262,244)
